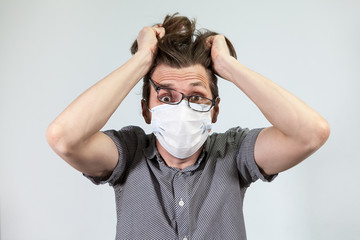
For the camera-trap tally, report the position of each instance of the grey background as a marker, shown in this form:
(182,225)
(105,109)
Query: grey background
(51,51)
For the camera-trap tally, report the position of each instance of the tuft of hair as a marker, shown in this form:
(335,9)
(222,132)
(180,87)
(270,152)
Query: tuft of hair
(182,46)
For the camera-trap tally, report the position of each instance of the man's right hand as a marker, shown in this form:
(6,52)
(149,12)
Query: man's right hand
(75,134)
(148,38)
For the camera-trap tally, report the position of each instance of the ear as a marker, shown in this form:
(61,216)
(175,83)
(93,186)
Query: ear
(145,111)
(215,111)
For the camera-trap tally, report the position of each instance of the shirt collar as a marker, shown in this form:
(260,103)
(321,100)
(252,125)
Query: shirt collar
(151,153)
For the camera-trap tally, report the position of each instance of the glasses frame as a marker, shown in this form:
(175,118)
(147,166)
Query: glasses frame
(158,88)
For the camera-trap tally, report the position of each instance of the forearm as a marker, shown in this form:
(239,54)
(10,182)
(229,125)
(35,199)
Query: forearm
(297,130)
(282,109)
(88,113)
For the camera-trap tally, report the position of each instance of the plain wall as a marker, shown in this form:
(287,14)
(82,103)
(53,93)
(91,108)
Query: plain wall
(51,51)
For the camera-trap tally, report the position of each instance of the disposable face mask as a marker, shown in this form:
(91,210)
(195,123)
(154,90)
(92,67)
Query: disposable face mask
(179,129)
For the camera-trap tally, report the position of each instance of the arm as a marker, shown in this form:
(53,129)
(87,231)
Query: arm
(297,130)
(75,134)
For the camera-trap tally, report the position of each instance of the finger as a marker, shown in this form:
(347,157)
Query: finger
(160,32)
(209,41)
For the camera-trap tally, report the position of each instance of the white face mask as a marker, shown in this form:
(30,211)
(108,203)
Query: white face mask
(179,129)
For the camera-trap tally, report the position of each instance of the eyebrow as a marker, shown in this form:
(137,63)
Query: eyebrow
(198,83)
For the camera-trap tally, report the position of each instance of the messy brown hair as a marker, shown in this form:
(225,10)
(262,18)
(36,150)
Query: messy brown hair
(183,46)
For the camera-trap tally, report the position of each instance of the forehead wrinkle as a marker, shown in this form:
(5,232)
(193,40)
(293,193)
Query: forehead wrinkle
(194,72)
(187,79)
(194,79)
(182,77)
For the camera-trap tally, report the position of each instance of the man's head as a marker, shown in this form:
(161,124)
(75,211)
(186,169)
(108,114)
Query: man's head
(190,83)
(182,50)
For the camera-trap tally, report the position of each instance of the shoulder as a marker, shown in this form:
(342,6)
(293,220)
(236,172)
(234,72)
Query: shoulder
(232,140)
(233,135)
(127,130)
(130,137)
(126,133)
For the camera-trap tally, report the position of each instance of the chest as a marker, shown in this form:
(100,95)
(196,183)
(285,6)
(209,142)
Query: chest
(180,202)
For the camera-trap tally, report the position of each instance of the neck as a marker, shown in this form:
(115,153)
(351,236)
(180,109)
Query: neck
(175,162)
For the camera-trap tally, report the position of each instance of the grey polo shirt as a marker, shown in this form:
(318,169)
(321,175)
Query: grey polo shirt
(202,201)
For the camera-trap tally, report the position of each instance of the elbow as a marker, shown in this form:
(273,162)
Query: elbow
(321,133)
(56,138)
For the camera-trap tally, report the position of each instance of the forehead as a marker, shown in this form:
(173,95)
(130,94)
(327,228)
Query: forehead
(195,74)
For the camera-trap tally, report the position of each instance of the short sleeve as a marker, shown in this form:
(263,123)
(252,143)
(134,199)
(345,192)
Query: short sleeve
(248,169)
(128,140)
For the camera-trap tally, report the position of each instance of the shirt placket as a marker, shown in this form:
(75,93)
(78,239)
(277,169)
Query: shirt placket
(181,205)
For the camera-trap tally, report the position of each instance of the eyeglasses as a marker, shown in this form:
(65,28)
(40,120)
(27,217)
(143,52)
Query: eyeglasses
(174,97)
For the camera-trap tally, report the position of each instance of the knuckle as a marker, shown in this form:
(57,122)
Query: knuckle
(146,29)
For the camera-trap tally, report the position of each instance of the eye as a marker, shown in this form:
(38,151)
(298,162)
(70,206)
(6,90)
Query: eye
(165,98)
(195,98)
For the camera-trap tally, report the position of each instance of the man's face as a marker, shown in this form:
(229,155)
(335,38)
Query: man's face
(191,80)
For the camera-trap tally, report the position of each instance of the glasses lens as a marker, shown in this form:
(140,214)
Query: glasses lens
(169,96)
(200,104)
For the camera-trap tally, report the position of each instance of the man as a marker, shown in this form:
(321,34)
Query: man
(179,182)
